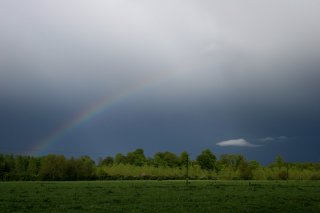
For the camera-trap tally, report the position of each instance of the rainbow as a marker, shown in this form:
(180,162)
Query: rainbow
(92,111)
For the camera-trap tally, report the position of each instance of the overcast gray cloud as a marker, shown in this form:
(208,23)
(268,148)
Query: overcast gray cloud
(236,68)
(223,46)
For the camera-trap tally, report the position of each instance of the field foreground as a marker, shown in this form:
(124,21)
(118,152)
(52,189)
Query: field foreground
(160,196)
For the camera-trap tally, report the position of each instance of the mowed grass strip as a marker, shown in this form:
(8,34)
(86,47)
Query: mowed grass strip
(160,196)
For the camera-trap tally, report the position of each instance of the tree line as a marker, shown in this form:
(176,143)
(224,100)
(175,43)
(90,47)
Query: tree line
(163,165)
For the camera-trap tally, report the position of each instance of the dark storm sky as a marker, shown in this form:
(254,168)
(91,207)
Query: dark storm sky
(235,77)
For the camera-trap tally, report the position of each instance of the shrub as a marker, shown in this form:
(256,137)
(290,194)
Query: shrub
(315,177)
(283,175)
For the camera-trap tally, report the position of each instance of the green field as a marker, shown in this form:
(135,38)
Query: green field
(160,196)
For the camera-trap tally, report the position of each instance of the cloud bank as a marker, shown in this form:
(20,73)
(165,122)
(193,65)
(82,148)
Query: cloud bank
(215,48)
(236,142)
(204,69)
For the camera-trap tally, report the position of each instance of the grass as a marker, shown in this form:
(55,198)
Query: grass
(160,196)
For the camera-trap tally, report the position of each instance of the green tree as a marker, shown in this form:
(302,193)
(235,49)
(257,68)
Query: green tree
(87,166)
(21,166)
(9,167)
(279,162)
(53,167)
(254,164)
(107,161)
(158,160)
(231,160)
(166,159)
(245,171)
(184,159)
(136,157)
(206,160)
(73,170)
(185,162)
(120,159)
(2,167)
(33,169)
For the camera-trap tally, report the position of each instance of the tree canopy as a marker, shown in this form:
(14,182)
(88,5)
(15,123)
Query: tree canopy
(163,165)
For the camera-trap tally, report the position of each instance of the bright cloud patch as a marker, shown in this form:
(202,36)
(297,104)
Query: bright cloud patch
(237,142)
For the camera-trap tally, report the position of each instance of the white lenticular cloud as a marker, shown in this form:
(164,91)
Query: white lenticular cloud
(236,142)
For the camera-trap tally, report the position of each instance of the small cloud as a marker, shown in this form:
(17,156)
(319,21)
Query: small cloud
(271,139)
(237,142)
(282,137)
(266,139)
